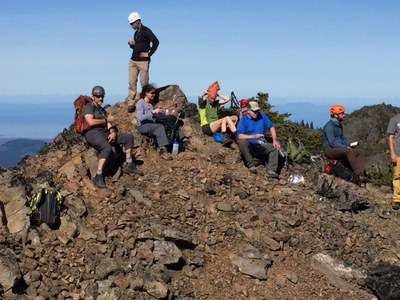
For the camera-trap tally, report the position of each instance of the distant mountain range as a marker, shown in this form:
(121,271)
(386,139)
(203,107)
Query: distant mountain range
(12,151)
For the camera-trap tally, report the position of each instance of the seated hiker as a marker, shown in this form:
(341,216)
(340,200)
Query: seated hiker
(242,110)
(336,145)
(208,110)
(102,134)
(146,123)
(252,142)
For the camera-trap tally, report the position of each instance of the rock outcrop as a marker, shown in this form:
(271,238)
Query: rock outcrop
(198,227)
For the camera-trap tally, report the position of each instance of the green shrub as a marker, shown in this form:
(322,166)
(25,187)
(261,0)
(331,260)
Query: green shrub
(379,177)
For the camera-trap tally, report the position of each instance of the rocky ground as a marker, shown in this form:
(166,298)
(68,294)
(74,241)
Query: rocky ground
(198,227)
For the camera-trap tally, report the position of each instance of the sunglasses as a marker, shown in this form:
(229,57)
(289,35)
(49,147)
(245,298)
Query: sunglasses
(102,97)
(152,93)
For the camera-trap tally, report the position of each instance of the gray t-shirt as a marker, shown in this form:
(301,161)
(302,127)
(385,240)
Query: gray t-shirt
(98,112)
(394,128)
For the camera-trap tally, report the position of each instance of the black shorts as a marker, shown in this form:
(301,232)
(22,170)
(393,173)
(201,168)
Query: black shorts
(207,129)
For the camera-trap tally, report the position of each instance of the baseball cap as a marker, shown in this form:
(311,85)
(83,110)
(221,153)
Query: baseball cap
(253,105)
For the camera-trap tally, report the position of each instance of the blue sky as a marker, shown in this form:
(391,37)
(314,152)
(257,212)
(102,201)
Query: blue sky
(320,48)
(320,51)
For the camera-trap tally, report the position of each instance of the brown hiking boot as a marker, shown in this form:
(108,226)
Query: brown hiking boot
(253,170)
(165,155)
(226,140)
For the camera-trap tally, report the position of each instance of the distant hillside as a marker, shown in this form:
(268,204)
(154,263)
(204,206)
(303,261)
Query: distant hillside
(368,126)
(13,151)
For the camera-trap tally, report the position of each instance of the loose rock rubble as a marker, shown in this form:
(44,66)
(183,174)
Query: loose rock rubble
(198,227)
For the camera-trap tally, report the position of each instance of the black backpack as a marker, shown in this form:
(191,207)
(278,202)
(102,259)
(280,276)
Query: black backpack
(45,206)
(171,125)
(338,169)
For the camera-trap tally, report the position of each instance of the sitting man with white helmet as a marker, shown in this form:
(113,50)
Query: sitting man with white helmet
(139,62)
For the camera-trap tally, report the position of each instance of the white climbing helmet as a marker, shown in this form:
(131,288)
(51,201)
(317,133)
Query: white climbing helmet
(133,17)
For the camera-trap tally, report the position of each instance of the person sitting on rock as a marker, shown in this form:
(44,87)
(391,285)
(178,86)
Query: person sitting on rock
(102,134)
(208,111)
(146,124)
(252,142)
(336,146)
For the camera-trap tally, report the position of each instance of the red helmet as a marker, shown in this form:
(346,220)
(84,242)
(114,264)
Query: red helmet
(243,103)
(336,109)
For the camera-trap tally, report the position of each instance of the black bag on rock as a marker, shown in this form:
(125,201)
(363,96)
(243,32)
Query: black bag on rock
(171,125)
(45,206)
(340,170)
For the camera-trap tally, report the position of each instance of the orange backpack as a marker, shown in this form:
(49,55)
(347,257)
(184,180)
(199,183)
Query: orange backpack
(80,123)
(213,89)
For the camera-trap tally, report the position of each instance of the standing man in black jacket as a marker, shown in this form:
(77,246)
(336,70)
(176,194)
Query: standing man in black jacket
(141,53)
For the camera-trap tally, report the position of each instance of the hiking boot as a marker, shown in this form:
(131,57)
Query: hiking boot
(253,170)
(99,181)
(362,179)
(272,174)
(131,105)
(395,205)
(186,145)
(236,137)
(130,168)
(226,140)
(165,155)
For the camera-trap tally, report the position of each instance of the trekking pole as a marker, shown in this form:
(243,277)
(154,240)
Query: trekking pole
(234,101)
(176,122)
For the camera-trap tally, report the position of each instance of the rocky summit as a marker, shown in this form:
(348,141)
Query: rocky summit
(200,226)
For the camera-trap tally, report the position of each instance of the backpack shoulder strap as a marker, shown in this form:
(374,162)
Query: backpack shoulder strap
(43,189)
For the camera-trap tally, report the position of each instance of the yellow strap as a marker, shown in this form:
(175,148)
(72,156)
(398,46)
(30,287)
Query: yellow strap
(46,189)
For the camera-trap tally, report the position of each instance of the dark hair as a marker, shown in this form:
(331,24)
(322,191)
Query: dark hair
(147,88)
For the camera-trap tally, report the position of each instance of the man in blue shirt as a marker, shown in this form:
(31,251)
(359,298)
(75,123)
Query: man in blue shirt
(252,141)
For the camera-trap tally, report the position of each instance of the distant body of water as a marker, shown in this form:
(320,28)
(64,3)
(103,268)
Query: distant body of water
(36,117)
(44,117)
(35,121)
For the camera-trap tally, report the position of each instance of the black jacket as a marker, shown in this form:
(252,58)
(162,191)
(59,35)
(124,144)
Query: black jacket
(142,37)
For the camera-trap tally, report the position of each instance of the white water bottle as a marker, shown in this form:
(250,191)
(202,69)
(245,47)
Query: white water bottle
(175,147)
(262,141)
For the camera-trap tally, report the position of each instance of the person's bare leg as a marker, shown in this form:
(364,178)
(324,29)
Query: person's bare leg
(231,124)
(100,164)
(216,125)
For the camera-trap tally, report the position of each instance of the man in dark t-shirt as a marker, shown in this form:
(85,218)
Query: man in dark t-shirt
(102,133)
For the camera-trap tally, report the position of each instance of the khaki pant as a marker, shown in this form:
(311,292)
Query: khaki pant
(396,181)
(134,69)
